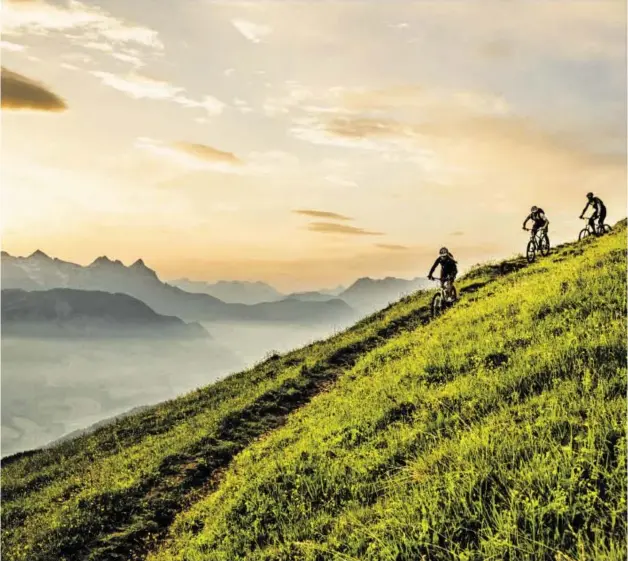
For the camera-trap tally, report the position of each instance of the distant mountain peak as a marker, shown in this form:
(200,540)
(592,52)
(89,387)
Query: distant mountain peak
(5,254)
(140,267)
(38,254)
(102,260)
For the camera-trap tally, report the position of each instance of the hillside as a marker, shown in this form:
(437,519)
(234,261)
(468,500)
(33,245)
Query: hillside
(38,271)
(496,431)
(65,312)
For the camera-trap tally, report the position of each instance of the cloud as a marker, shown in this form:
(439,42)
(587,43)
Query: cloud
(252,31)
(206,153)
(192,156)
(139,86)
(84,22)
(457,233)
(10,46)
(392,247)
(322,214)
(20,92)
(332,228)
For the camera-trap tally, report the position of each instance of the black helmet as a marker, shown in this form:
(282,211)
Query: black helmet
(443,251)
(589,195)
(534,209)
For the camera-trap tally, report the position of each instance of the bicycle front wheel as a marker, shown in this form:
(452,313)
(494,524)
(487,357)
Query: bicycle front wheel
(531,251)
(437,304)
(583,234)
(545,246)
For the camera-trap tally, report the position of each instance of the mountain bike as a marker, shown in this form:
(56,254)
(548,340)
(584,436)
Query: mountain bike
(597,230)
(539,241)
(444,297)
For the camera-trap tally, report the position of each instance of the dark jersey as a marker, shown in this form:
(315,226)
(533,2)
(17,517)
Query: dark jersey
(538,218)
(597,204)
(449,267)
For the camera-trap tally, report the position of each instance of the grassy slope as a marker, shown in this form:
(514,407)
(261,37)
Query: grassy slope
(440,441)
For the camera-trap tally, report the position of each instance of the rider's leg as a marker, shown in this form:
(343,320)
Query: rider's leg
(601,220)
(592,221)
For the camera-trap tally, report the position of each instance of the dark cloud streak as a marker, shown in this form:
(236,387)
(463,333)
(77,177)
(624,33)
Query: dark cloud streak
(19,93)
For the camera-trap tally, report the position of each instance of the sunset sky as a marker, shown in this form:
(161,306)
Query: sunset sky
(306,144)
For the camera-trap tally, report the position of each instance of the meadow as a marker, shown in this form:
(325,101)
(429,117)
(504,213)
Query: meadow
(496,431)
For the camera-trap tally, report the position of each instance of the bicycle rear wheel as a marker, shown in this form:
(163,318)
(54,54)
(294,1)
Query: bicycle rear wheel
(545,246)
(437,304)
(607,228)
(531,251)
(583,234)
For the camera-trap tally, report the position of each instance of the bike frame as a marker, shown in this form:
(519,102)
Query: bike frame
(536,236)
(597,228)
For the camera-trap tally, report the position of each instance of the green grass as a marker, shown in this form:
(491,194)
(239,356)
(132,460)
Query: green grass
(494,432)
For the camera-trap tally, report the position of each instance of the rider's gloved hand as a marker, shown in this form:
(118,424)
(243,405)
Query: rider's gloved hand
(430,277)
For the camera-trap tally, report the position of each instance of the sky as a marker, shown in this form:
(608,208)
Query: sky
(306,144)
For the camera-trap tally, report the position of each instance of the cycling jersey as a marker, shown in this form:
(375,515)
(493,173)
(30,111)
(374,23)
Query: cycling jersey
(538,219)
(449,267)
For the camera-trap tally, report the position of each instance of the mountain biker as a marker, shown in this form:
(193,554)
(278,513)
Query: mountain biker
(539,220)
(599,211)
(448,267)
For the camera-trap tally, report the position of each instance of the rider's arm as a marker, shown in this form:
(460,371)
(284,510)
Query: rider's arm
(545,220)
(585,209)
(433,268)
(529,217)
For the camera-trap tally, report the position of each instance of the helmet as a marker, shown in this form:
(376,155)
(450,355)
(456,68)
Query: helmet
(534,209)
(589,195)
(443,251)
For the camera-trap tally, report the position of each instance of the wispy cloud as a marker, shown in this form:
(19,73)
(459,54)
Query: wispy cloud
(10,46)
(254,32)
(85,22)
(391,247)
(192,156)
(207,153)
(82,25)
(322,214)
(20,92)
(333,228)
(139,86)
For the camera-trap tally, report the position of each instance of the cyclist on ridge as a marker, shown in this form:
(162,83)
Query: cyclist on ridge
(599,212)
(539,220)
(448,267)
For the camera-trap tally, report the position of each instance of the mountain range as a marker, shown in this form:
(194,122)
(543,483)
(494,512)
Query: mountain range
(203,301)
(246,292)
(38,271)
(62,312)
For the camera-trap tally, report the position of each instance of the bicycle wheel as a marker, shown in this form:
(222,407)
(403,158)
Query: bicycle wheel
(437,304)
(531,251)
(453,293)
(607,228)
(545,246)
(583,234)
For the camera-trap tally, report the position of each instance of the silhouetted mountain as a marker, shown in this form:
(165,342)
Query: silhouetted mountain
(232,292)
(64,312)
(311,296)
(40,272)
(367,295)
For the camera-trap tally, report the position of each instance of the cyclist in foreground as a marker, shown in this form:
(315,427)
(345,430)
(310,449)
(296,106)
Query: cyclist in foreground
(448,268)
(599,212)
(539,220)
